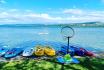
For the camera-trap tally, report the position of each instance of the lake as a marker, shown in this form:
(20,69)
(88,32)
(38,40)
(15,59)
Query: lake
(90,38)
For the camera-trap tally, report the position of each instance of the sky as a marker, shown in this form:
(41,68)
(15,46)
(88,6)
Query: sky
(51,11)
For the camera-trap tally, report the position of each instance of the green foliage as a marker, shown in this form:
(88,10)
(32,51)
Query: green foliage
(31,64)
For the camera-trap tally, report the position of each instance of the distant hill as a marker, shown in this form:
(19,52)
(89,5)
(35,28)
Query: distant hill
(85,24)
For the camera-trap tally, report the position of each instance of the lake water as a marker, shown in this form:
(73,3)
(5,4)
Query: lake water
(86,37)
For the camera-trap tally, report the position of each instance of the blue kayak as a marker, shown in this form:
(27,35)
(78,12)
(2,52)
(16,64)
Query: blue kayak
(64,50)
(13,52)
(73,50)
(3,50)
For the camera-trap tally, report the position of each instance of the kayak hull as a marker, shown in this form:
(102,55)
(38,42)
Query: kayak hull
(39,51)
(13,52)
(28,52)
(49,51)
(3,51)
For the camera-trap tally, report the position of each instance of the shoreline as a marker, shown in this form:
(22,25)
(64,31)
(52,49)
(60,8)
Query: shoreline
(19,57)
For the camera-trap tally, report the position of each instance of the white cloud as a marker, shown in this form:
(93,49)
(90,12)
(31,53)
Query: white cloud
(79,15)
(26,17)
(73,11)
(66,16)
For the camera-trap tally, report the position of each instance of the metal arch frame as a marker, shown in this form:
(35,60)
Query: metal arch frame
(71,29)
(68,36)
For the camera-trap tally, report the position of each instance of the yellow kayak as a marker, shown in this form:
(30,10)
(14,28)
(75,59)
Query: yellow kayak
(39,51)
(49,51)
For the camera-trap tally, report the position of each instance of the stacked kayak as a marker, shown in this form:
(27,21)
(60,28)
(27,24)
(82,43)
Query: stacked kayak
(44,50)
(71,51)
(49,51)
(39,50)
(13,52)
(3,50)
(28,52)
(63,50)
(78,51)
(68,57)
(82,52)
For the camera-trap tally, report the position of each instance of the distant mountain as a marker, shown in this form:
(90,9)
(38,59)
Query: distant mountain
(85,24)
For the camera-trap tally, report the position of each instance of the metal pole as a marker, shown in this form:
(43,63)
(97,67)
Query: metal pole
(68,45)
(62,66)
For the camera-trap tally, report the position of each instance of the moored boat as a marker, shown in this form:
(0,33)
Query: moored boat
(28,51)
(13,52)
(39,51)
(49,51)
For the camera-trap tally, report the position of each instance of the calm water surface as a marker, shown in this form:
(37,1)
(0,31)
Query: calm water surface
(86,37)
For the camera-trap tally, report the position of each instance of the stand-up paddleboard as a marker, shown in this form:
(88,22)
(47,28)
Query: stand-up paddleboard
(67,59)
(3,50)
(74,60)
(60,59)
(28,52)
(13,52)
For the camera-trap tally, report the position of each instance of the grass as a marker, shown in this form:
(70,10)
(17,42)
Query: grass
(31,64)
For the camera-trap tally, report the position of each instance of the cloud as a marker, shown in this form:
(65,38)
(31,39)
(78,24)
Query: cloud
(64,16)
(73,11)
(79,15)
(17,16)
